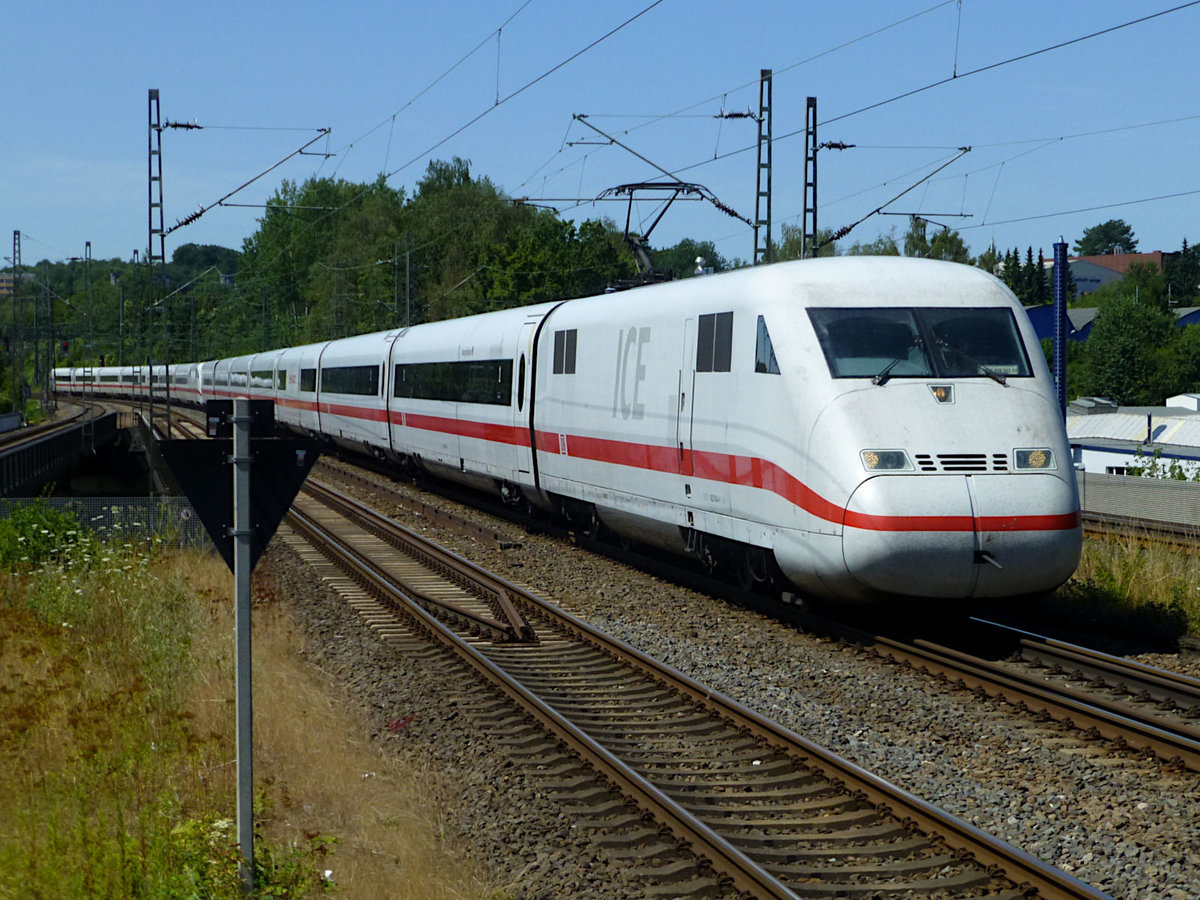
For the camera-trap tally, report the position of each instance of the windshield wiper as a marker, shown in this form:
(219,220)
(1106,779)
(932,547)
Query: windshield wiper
(883,376)
(990,373)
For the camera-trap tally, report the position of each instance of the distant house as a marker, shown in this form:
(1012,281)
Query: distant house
(1081,318)
(1108,440)
(1090,273)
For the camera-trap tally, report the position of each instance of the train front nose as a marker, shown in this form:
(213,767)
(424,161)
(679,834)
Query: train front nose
(962,536)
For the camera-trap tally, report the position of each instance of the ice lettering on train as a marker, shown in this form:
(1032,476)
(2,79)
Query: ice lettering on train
(630,373)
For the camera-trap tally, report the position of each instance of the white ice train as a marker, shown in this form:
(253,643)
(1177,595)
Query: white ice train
(868,427)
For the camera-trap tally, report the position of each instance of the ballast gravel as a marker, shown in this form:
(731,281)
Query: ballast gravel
(1127,825)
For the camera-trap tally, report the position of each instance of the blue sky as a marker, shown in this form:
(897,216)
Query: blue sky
(1060,140)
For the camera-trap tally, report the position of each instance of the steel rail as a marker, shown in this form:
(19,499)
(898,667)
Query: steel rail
(1082,709)
(1051,883)
(744,874)
(1131,676)
(18,436)
(428,511)
(510,624)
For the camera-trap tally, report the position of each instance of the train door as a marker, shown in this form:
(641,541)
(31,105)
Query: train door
(522,408)
(687,392)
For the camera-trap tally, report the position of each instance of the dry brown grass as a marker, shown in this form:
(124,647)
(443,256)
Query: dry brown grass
(326,775)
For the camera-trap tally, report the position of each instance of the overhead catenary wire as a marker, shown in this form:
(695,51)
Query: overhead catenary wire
(502,101)
(1070,212)
(188,220)
(926,87)
(440,78)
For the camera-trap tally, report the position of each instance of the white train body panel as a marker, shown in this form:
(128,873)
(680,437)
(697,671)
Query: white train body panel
(350,391)
(262,375)
(296,403)
(882,427)
(459,396)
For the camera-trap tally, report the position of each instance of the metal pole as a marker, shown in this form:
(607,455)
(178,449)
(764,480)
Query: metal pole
(1060,324)
(242,530)
(407,278)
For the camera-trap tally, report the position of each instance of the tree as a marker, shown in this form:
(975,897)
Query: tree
(679,261)
(1122,356)
(1146,284)
(989,260)
(1113,236)
(548,258)
(884,245)
(915,242)
(1182,275)
(189,260)
(791,244)
(1034,289)
(947,244)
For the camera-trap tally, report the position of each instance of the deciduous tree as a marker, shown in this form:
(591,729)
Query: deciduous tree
(1113,236)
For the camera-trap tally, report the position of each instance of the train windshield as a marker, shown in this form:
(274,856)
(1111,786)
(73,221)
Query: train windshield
(920,342)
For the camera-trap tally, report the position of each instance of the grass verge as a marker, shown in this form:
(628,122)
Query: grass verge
(1128,580)
(117,735)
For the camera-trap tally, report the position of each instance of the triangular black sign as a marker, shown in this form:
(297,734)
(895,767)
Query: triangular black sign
(204,473)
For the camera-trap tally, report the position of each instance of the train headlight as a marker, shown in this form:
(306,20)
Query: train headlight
(885,460)
(1037,458)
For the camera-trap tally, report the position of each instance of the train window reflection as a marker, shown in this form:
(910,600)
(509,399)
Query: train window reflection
(764,351)
(920,342)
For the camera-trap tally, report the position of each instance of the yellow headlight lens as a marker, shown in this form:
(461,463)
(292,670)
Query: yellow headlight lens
(885,460)
(1037,458)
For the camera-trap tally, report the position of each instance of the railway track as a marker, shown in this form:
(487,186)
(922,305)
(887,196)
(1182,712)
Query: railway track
(12,439)
(1107,697)
(1137,707)
(694,786)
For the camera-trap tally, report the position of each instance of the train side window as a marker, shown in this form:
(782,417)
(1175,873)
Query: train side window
(564,351)
(359,380)
(714,342)
(308,380)
(764,351)
(281,380)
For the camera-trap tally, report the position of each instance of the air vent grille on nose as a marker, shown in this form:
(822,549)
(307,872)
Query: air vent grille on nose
(962,462)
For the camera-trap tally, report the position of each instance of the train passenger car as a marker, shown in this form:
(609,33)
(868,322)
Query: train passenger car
(351,402)
(207,381)
(262,375)
(231,378)
(185,384)
(460,399)
(296,400)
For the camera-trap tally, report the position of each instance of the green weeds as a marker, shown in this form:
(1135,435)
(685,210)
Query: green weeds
(118,780)
(1143,584)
